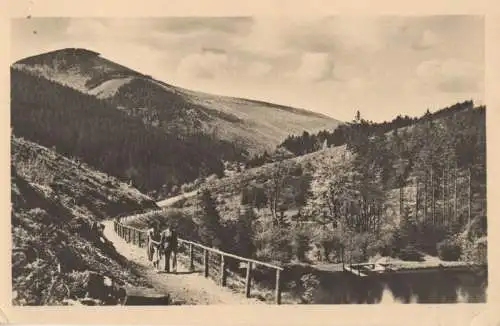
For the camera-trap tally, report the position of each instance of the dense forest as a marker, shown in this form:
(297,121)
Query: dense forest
(94,131)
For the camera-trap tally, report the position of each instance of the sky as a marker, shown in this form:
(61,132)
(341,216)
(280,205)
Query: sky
(380,65)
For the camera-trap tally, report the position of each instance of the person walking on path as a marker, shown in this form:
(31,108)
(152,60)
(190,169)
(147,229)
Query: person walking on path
(173,247)
(169,246)
(153,248)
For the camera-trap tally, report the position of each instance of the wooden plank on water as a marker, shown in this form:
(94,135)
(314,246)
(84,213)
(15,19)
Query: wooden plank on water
(354,271)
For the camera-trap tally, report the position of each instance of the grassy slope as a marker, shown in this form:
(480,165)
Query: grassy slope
(251,124)
(53,199)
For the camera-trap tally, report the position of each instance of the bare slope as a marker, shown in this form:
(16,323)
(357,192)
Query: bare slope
(251,124)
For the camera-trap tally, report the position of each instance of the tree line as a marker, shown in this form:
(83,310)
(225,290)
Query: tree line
(359,127)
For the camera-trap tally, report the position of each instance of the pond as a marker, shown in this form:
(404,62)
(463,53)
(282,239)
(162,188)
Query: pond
(430,287)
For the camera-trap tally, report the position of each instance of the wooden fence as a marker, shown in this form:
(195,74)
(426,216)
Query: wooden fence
(139,237)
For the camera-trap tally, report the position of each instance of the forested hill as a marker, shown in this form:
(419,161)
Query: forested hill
(253,126)
(419,188)
(93,130)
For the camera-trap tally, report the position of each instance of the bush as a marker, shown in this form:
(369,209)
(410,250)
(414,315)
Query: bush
(474,251)
(239,234)
(309,285)
(301,245)
(359,247)
(449,249)
(326,243)
(209,222)
(429,236)
(410,253)
(274,244)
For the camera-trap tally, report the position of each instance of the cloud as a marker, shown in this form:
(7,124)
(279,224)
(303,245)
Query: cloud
(427,40)
(213,50)
(204,65)
(110,29)
(265,37)
(451,75)
(278,36)
(315,67)
(186,25)
(258,69)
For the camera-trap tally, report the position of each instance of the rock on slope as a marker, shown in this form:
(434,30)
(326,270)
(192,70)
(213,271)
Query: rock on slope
(253,125)
(55,257)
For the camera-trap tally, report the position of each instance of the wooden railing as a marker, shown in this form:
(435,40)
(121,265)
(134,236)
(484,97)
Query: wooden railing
(139,237)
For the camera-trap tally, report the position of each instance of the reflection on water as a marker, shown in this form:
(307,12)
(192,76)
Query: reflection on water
(415,287)
(387,297)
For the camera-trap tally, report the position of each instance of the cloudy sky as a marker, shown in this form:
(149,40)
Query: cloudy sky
(335,65)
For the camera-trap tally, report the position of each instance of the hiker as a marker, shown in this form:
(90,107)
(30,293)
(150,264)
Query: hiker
(174,246)
(169,246)
(153,251)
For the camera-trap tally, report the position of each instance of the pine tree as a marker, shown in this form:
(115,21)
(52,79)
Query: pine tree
(244,233)
(357,118)
(210,228)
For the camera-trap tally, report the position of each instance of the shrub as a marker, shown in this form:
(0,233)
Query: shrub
(449,249)
(254,195)
(309,285)
(429,236)
(326,242)
(410,253)
(274,244)
(301,244)
(209,225)
(240,234)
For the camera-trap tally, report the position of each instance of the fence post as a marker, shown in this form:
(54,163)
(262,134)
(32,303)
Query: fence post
(139,239)
(222,271)
(248,280)
(191,257)
(205,261)
(129,235)
(278,287)
(342,250)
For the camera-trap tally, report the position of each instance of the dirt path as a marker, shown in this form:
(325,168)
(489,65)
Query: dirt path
(185,287)
(170,201)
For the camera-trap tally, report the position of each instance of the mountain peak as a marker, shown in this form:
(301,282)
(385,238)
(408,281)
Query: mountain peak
(51,55)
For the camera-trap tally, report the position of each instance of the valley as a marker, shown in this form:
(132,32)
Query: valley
(93,140)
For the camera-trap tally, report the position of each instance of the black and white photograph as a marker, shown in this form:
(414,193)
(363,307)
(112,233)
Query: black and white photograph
(248,160)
